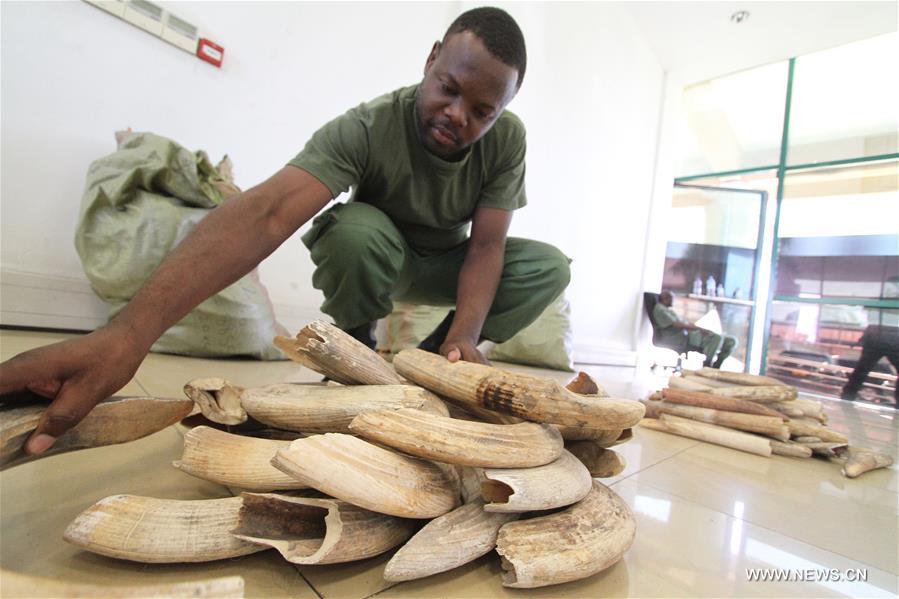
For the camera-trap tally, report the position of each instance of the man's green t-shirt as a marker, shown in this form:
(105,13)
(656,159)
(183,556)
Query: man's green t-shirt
(375,149)
(664,316)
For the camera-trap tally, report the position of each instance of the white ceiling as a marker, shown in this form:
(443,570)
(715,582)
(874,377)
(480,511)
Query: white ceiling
(696,41)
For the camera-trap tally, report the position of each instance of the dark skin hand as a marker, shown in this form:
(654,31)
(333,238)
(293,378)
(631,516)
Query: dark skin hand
(463,92)
(478,280)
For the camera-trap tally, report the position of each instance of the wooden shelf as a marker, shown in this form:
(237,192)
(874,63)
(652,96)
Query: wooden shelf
(721,300)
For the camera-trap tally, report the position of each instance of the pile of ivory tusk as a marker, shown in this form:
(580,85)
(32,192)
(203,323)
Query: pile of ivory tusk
(445,461)
(755,414)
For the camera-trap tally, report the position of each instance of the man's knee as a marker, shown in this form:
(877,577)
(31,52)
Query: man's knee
(545,264)
(357,233)
(559,269)
(713,339)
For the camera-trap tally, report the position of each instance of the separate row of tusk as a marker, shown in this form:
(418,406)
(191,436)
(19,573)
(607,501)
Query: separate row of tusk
(753,414)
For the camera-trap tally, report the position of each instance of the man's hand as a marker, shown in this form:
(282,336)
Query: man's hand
(462,349)
(75,374)
(478,281)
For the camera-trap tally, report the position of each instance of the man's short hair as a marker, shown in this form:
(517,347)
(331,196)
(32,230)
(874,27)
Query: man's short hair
(499,32)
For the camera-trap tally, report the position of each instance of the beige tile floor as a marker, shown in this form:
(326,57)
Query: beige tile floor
(705,514)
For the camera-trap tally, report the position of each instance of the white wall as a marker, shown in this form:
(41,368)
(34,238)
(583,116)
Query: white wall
(289,67)
(590,100)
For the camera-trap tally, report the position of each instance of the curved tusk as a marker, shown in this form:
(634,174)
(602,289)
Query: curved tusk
(21,585)
(447,542)
(701,399)
(736,378)
(760,394)
(578,542)
(710,433)
(560,483)
(112,421)
(772,426)
(307,530)
(149,530)
(369,476)
(600,462)
(625,436)
(584,384)
(824,448)
(688,383)
(607,438)
(461,442)
(234,460)
(787,408)
(472,411)
(790,448)
(807,427)
(327,350)
(864,460)
(470,480)
(322,409)
(529,397)
(217,399)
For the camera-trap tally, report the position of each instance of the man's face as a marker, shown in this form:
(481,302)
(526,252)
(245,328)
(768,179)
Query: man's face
(666,299)
(463,92)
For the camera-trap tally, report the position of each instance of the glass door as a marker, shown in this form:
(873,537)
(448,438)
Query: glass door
(712,260)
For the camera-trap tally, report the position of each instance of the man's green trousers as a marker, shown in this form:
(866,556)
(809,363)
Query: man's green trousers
(363,263)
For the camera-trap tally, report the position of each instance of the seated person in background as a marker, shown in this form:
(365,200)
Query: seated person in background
(699,339)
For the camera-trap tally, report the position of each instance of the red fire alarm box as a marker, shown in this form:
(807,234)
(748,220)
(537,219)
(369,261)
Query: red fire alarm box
(210,52)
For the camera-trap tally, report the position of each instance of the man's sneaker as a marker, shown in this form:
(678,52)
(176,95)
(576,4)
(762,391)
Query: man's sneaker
(362,333)
(433,341)
(850,395)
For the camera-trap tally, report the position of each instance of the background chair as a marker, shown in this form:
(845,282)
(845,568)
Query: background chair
(678,344)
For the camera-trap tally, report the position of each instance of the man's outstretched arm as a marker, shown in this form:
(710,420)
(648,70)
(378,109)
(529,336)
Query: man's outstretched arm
(226,245)
(478,280)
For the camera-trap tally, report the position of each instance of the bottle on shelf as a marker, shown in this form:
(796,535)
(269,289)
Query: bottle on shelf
(719,290)
(710,286)
(697,286)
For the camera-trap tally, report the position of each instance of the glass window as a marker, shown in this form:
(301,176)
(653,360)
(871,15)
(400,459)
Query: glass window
(712,235)
(734,122)
(838,232)
(711,258)
(844,102)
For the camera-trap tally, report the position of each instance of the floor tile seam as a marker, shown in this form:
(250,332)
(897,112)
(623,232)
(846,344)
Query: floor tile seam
(767,528)
(654,464)
(376,593)
(309,584)
(142,387)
